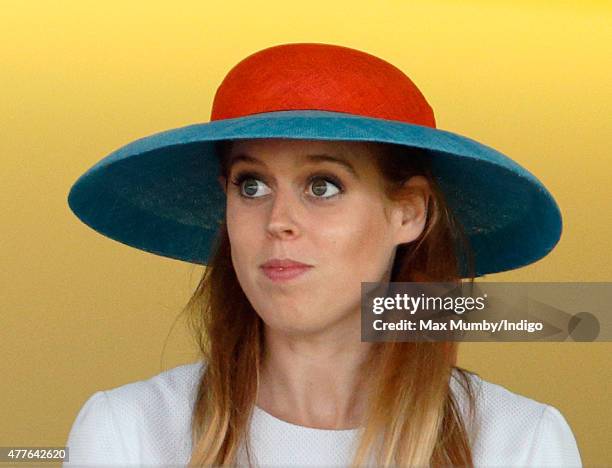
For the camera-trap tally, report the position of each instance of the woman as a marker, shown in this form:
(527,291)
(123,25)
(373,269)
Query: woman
(321,169)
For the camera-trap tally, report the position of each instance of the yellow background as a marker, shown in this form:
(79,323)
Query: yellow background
(79,79)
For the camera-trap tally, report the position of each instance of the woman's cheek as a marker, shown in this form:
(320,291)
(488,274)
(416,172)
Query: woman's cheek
(371,252)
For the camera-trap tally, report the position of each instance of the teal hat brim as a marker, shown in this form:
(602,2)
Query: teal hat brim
(160,193)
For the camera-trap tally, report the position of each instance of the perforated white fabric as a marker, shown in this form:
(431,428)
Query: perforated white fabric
(147,423)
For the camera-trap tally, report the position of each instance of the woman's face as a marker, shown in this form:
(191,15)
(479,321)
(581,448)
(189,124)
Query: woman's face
(319,203)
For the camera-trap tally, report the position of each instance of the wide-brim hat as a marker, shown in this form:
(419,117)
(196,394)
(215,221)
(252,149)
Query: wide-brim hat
(161,193)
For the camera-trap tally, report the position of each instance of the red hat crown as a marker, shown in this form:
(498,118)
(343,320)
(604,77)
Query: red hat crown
(320,77)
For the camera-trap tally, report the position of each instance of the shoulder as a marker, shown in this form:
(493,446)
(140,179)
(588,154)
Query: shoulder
(137,422)
(511,429)
(173,387)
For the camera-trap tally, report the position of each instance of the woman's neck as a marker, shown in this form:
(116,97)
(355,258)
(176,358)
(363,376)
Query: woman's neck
(313,384)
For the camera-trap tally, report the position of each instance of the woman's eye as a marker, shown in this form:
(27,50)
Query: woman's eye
(249,187)
(320,187)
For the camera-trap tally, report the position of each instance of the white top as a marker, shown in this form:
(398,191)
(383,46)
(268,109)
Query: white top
(148,423)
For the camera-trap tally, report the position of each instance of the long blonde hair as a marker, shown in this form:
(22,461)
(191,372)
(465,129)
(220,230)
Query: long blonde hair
(412,417)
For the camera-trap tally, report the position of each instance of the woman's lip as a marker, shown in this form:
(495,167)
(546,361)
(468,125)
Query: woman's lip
(284,263)
(286,273)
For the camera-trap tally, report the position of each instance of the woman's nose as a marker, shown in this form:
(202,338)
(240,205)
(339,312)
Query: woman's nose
(282,218)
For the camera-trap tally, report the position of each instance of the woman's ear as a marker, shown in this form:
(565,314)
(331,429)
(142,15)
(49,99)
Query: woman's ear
(412,207)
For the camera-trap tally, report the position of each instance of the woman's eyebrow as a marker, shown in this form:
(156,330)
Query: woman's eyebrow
(242,157)
(333,159)
(311,158)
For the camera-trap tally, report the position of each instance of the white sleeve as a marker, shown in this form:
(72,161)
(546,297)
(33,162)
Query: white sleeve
(554,444)
(94,439)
